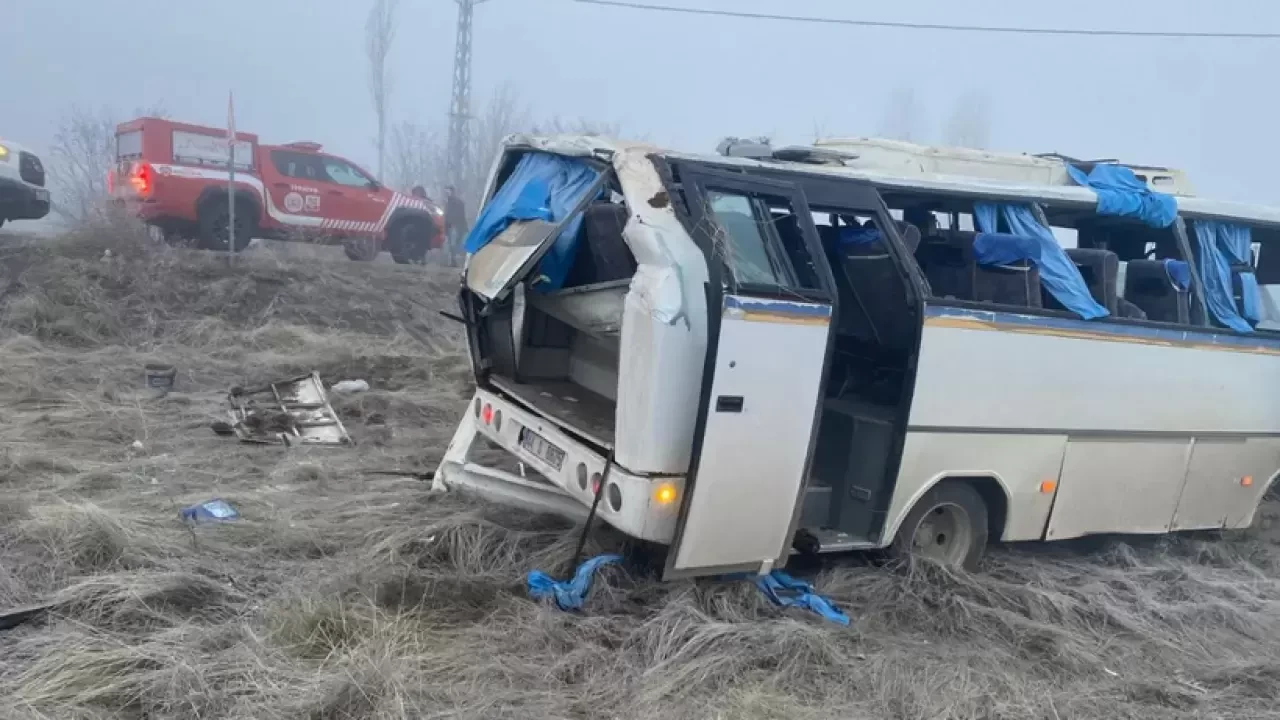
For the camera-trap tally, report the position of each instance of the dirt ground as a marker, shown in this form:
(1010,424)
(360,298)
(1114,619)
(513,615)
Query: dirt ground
(346,594)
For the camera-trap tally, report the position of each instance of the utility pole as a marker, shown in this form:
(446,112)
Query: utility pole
(460,104)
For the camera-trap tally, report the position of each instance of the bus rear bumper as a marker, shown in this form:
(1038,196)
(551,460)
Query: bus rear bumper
(643,507)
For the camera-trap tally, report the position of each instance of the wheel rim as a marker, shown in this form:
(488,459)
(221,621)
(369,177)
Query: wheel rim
(943,535)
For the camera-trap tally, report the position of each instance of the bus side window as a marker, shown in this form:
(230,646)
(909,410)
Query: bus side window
(761,242)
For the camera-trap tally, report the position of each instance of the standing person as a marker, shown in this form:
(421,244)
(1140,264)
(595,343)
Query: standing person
(455,225)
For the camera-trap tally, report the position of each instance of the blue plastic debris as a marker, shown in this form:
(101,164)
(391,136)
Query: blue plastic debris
(786,591)
(571,594)
(216,510)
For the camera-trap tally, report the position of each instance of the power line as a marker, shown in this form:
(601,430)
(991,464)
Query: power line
(938,26)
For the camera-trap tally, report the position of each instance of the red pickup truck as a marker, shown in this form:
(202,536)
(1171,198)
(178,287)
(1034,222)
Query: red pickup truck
(174,176)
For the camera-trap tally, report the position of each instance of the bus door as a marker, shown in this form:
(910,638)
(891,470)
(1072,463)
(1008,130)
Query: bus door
(770,307)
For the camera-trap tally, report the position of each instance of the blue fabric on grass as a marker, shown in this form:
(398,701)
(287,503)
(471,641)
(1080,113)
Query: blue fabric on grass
(786,591)
(570,594)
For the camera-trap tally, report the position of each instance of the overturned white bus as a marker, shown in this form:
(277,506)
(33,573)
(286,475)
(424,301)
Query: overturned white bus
(741,359)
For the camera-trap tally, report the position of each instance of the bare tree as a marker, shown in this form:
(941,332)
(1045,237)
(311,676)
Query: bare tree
(415,156)
(82,153)
(900,112)
(380,34)
(968,125)
(418,154)
(503,113)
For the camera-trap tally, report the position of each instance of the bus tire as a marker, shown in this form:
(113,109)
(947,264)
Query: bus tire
(947,525)
(213,218)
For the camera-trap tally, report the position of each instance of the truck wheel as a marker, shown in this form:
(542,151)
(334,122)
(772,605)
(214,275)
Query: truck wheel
(361,249)
(410,241)
(214,218)
(947,525)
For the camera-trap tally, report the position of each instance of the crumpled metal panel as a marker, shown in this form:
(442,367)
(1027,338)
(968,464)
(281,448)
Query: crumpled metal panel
(287,412)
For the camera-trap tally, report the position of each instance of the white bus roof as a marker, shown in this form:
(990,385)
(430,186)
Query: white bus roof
(1071,195)
(912,159)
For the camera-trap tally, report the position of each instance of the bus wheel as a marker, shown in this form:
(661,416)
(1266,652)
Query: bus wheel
(948,525)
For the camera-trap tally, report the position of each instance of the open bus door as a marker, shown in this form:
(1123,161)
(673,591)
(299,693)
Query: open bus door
(770,306)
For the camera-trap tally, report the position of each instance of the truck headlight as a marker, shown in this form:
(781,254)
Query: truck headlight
(4,153)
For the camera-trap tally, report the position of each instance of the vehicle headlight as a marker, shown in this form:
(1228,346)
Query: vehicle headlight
(4,153)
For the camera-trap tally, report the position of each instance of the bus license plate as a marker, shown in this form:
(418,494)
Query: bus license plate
(541,448)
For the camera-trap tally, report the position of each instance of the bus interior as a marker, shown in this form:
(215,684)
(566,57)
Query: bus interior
(556,348)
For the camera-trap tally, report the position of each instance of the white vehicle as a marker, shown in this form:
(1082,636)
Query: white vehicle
(22,178)
(740,359)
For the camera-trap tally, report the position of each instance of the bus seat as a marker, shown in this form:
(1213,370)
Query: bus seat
(1099,268)
(876,287)
(1149,285)
(952,270)
(1127,309)
(610,256)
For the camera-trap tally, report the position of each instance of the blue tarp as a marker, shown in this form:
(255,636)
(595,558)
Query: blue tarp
(571,594)
(1221,244)
(542,187)
(1029,240)
(1121,194)
(786,591)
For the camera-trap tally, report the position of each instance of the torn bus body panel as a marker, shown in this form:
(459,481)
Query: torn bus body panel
(661,326)
(287,412)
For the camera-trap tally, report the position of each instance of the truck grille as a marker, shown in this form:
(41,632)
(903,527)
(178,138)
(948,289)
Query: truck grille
(30,169)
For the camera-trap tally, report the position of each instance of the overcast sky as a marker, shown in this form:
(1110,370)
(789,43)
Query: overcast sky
(298,71)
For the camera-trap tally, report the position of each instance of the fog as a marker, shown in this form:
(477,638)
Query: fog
(299,72)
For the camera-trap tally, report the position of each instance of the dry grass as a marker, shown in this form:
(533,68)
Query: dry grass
(341,594)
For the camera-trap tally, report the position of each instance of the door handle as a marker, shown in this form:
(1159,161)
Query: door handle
(729,403)
(280,184)
(335,192)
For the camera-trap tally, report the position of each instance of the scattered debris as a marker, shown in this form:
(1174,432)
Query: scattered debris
(137,446)
(571,594)
(216,510)
(222,427)
(12,618)
(350,386)
(287,412)
(159,379)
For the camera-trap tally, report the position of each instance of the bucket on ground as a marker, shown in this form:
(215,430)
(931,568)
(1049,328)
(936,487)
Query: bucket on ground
(159,378)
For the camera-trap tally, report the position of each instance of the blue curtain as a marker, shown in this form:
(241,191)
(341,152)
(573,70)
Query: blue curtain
(1219,245)
(1029,240)
(542,187)
(1121,194)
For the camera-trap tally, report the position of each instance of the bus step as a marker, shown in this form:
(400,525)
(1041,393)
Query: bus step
(824,540)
